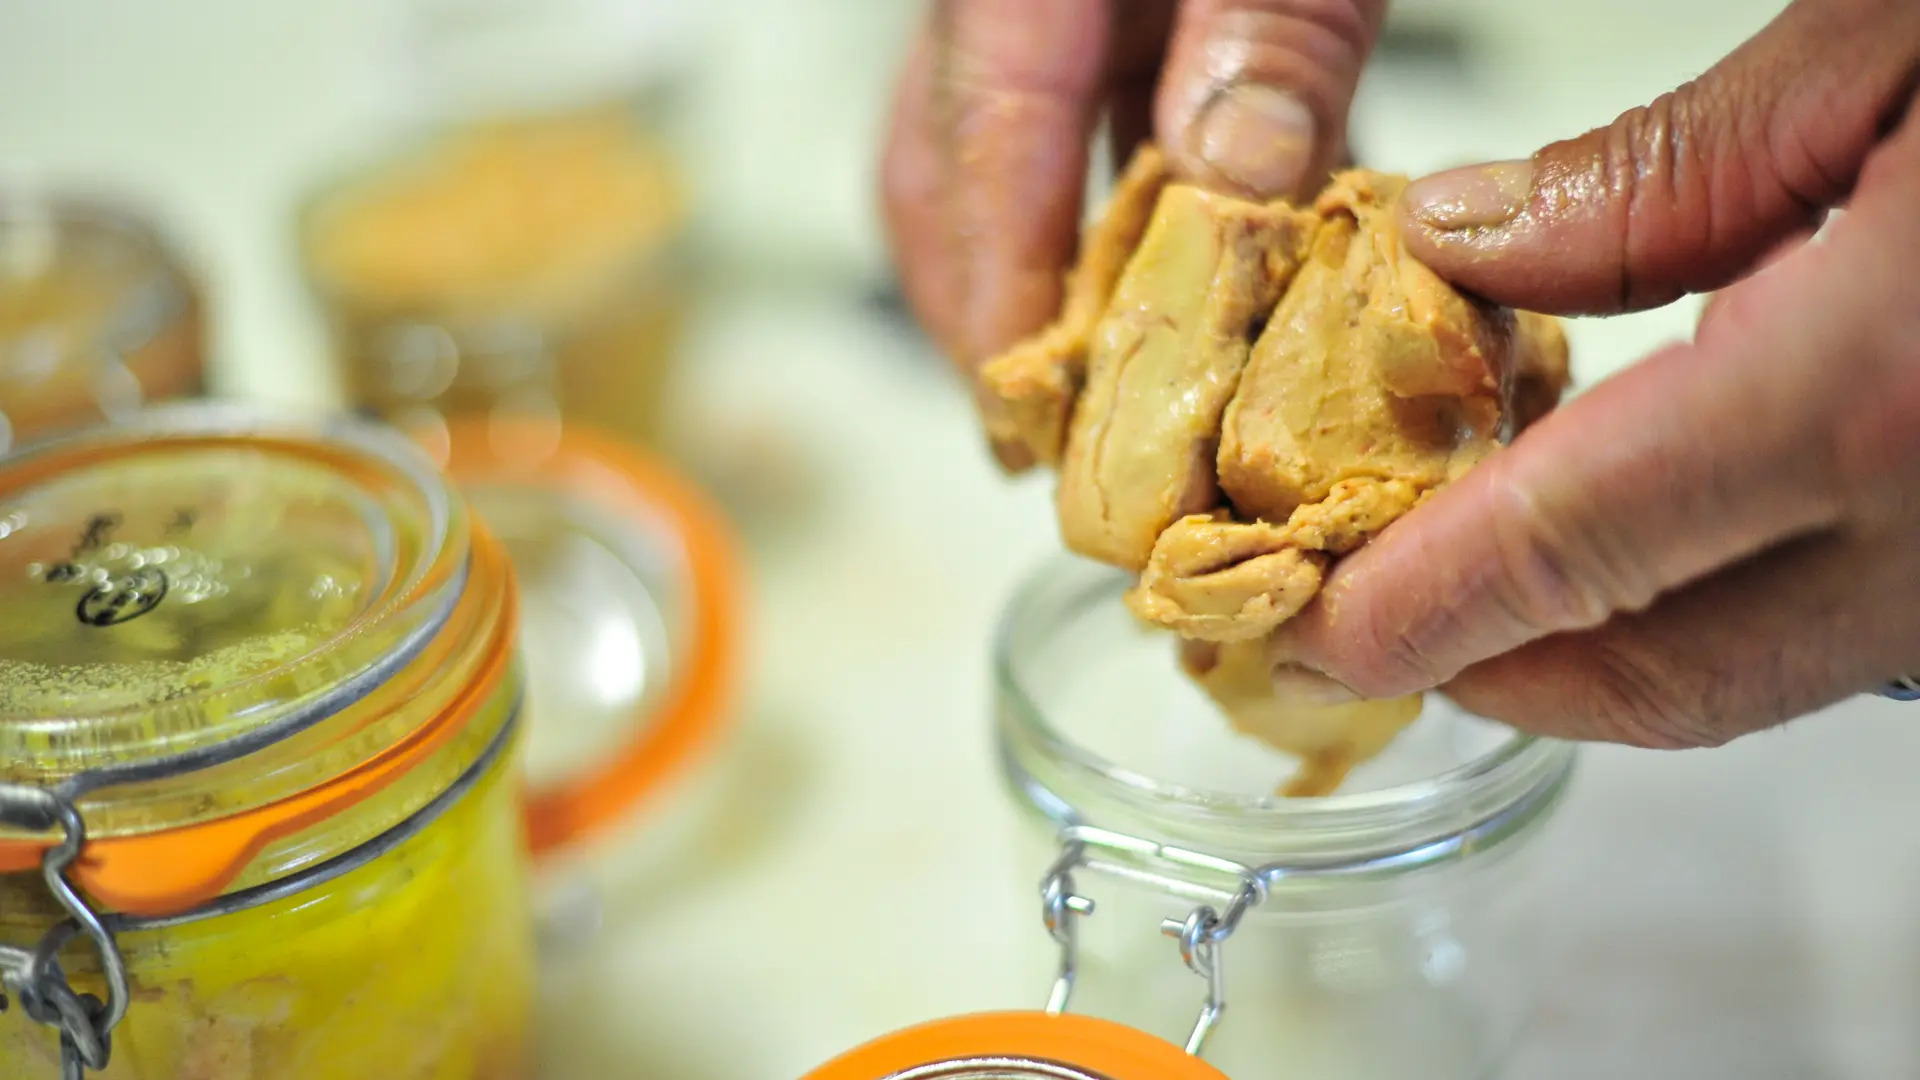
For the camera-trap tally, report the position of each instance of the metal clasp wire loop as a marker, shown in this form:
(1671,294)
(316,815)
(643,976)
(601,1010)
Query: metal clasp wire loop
(1062,908)
(1200,935)
(1200,938)
(85,1023)
(1245,887)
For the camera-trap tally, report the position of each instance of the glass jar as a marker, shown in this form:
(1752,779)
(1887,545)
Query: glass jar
(629,620)
(1388,932)
(97,316)
(261,714)
(523,252)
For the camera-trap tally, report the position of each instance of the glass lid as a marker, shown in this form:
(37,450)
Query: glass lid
(196,575)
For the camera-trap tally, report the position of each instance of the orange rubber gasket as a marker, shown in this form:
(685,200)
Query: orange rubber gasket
(176,870)
(612,474)
(1087,1043)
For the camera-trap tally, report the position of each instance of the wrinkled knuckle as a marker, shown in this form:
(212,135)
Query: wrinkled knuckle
(1315,45)
(1407,661)
(1637,699)
(1015,67)
(1642,146)
(1397,658)
(1348,22)
(1555,572)
(1660,170)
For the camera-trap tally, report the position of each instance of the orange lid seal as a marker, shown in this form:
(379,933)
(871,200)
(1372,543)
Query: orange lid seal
(1044,1046)
(193,588)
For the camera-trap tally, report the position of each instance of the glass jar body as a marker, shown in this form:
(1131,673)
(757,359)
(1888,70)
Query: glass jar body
(1427,977)
(418,965)
(1396,930)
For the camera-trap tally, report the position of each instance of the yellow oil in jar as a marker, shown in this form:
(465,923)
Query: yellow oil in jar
(184,582)
(418,966)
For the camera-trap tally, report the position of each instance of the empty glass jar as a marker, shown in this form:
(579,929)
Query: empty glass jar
(1388,932)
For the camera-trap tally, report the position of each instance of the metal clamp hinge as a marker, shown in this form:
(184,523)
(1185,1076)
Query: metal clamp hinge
(34,976)
(1200,935)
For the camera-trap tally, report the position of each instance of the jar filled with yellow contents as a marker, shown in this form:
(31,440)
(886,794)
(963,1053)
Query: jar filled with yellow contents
(1204,925)
(262,705)
(526,265)
(97,316)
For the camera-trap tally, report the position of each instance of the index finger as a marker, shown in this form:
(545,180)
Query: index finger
(985,163)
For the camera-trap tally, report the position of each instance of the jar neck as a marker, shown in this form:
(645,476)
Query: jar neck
(1484,799)
(1487,800)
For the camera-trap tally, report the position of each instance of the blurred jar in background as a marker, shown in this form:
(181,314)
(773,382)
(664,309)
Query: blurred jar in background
(523,251)
(97,316)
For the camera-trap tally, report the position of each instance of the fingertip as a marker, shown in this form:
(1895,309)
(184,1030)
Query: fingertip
(1468,199)
(1482,227)
(1256,92)
(1333,643)
(1253,140)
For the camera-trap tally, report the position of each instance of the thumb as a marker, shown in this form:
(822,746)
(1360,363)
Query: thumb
(1685,194)
(1255,93)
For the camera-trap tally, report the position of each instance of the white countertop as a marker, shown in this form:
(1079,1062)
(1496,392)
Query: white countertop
(844,867)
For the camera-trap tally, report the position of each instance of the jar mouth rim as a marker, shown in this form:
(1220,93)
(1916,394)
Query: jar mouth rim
(1517,766)
(421,589)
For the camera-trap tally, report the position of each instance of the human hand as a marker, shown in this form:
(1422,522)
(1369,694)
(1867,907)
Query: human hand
(987,156)
(1726,535)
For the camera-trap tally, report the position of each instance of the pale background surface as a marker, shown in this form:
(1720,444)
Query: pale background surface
(1753,912)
